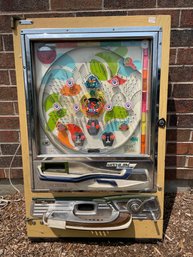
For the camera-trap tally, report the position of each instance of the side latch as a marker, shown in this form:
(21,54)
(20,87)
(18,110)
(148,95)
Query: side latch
(162,123)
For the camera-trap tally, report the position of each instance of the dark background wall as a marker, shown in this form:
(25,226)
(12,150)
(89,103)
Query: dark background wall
(179,158)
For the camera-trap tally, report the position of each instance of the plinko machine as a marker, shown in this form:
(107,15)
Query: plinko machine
(92,103)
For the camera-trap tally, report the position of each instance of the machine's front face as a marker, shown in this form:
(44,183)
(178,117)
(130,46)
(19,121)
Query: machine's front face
(92,108)
(92,116)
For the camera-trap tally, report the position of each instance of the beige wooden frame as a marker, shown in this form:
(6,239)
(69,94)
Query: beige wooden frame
(138,229)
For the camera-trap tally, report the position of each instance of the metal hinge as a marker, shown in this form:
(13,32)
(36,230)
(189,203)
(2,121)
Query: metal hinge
(25,22)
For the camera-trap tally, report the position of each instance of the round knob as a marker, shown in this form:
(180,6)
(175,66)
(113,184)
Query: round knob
(162,123)
(133,205)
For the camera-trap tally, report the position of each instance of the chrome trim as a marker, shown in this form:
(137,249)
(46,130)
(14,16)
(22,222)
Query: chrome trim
(88,156)
(91,30)
(153,104)
(156,114)
(28,108)
(83,158)
(91,36)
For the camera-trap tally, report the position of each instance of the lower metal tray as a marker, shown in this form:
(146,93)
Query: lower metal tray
(108,213)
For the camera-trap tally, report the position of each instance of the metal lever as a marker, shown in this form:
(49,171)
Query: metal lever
(153,215)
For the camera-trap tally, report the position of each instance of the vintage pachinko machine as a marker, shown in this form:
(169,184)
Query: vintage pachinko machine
(92,104)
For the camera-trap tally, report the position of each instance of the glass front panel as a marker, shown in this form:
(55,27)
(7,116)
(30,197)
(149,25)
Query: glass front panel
(93,97)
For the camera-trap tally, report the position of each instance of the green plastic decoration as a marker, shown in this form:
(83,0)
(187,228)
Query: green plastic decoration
(98,69)
(54,117)
(117,112)
(112,61)
(50,100)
